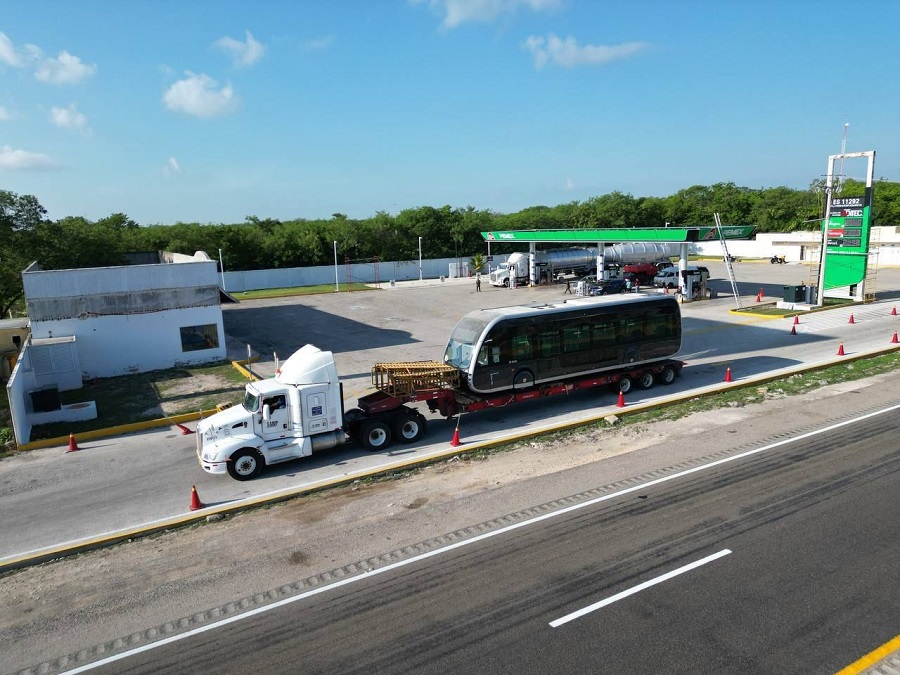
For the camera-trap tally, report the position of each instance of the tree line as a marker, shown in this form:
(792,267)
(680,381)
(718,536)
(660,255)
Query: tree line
(27,235)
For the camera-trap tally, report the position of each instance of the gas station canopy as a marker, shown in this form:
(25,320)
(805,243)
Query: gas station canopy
(632,234)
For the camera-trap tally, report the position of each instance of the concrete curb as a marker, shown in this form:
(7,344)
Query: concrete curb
(52,553)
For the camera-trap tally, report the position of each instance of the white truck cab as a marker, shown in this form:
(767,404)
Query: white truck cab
(294,414)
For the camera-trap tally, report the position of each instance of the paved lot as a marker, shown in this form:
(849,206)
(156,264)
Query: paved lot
(112,484)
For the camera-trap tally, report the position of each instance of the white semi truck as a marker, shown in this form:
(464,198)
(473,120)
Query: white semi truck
(579,261)
(295,414)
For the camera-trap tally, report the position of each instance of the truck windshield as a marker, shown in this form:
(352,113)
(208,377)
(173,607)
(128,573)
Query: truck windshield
(251,402)
(461,346)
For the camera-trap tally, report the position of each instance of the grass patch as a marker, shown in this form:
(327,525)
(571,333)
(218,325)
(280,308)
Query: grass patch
(145,396)
(770,309)
(298,290)
(794,385)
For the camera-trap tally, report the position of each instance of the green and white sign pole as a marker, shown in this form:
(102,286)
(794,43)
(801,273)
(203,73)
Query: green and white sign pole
(844,255)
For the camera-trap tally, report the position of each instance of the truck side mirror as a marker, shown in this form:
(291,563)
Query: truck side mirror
(267,412)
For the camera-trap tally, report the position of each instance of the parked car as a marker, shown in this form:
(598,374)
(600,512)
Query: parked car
(606,287)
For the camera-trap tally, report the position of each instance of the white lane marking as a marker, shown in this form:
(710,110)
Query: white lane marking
(468,542)
(637,589)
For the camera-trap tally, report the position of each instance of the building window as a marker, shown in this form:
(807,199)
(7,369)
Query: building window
(199,337)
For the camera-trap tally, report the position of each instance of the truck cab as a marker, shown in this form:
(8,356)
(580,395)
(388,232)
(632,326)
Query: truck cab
(294,414)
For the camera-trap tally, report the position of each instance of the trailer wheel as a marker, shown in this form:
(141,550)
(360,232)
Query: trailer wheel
(245,464)
(624,384)
(645,381)
(667,376)
(374,435)
(524,378)
(409,427)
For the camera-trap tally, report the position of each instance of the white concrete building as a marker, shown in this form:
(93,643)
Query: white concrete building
(127,319)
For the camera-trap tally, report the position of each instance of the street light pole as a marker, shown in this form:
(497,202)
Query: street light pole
(336,285)
(420,258)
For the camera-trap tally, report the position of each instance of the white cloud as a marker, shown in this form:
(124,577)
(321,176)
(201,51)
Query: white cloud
(70,118)
(567,53)
(242,53)
(172,167)
(64,69)
(5,115)
(457,12)
(319,43)
(24,160)
(569,186)
(199,96)
(8,54)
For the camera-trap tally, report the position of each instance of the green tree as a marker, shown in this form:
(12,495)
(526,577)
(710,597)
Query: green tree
(19,217)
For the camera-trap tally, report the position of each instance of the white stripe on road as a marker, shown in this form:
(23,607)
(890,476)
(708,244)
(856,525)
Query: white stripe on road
(637,589)
(468,542)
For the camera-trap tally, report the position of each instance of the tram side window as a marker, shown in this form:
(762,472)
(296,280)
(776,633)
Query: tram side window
(659,326)
(603,333)
(576,339)
(632,329)
(521,347)
(662,324)
(550,343)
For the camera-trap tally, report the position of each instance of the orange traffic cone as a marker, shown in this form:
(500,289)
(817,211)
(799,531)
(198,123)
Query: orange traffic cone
(73,446)
(796,320)
(728,374)
(667,290)
(851,319)
(455,442)
(793,330)
(893,311)
(894,339)
(621,402)
(840,351)
(195,500)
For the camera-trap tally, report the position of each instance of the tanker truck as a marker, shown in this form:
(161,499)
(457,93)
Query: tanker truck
(577,261)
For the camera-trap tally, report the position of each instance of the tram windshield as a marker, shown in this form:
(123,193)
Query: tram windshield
(461,346)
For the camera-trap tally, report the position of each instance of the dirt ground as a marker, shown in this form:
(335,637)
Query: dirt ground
(143,588)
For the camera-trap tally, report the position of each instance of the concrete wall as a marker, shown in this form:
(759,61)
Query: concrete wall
(134,343)
(20,383)
(126,279)
(402,270)
(884,246)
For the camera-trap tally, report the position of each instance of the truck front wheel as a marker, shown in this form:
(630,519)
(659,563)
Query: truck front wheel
(409,427)
(374,435)
(245,464)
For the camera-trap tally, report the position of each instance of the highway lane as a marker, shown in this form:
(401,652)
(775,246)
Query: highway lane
(810,584)
(113,484)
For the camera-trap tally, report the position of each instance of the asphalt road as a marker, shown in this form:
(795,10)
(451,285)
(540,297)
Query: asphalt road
(50,498)
(793,547)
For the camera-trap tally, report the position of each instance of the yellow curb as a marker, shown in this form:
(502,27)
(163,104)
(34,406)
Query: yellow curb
(872,657)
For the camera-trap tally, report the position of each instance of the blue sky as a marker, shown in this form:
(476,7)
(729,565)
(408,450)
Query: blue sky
(203,111)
